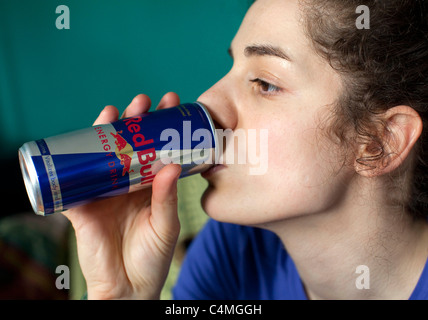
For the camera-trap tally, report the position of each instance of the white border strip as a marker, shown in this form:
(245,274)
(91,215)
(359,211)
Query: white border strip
(54,183)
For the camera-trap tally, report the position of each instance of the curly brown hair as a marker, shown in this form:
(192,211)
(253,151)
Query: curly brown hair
(382,67)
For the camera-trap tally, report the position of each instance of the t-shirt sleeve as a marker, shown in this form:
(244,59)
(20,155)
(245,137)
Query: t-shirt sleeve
(209,270)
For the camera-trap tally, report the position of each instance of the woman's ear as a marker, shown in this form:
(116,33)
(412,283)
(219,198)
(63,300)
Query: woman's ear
(402,128)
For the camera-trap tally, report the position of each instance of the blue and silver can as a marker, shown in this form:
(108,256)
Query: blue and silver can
(107,160)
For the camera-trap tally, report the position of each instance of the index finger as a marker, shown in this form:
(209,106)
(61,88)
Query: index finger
(109,114)
(140,104)
(170,99)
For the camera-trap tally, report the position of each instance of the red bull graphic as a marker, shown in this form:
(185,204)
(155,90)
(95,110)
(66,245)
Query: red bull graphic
(124,152)
(107,160)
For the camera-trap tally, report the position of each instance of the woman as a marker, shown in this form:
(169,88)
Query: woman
(346,184)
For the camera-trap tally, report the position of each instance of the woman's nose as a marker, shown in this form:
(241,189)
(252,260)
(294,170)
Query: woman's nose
(220,104)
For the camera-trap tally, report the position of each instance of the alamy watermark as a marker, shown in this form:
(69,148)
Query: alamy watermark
(363,20)
(63,280)
(63,20)
(240,146)
(363,280)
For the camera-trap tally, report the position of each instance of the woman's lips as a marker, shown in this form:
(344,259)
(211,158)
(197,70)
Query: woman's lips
(212,170)
(216,167)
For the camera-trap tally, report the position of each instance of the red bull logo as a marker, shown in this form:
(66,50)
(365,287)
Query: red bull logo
(124,152)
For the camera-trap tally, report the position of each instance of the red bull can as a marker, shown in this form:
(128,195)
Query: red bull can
(107,160)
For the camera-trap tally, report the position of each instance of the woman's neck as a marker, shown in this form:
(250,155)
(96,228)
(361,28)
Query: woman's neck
(356,250)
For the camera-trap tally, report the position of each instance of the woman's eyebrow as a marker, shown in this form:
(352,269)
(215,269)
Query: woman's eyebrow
(262,50)
(266,50)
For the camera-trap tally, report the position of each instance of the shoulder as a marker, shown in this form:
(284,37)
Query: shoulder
(242,242)
(421,290)
(230,233)
(224,258)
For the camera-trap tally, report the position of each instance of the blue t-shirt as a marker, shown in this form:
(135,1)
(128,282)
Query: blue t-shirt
(228,261)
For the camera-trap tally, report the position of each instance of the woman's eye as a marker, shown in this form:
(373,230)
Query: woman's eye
(265,87)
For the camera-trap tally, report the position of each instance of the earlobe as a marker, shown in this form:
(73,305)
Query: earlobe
(402,129)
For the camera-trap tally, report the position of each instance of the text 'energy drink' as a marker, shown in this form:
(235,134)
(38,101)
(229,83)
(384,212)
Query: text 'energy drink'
(75,168)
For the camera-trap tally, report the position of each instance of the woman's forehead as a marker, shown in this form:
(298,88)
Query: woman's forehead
(277,24)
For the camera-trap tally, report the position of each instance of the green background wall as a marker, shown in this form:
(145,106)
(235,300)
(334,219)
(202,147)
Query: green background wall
(53,81)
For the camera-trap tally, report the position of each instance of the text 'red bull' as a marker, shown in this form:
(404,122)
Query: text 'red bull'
(145,157)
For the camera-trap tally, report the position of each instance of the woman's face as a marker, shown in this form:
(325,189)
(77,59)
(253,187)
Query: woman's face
(279,84)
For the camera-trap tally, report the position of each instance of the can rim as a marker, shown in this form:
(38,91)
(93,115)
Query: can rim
(213,129)
(31,180)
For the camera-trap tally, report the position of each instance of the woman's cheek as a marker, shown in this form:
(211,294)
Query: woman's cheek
(283,151)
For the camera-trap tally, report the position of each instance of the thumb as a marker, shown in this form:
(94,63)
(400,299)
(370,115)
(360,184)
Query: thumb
(164,216)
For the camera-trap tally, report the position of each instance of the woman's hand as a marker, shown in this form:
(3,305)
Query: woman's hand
(126,243)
